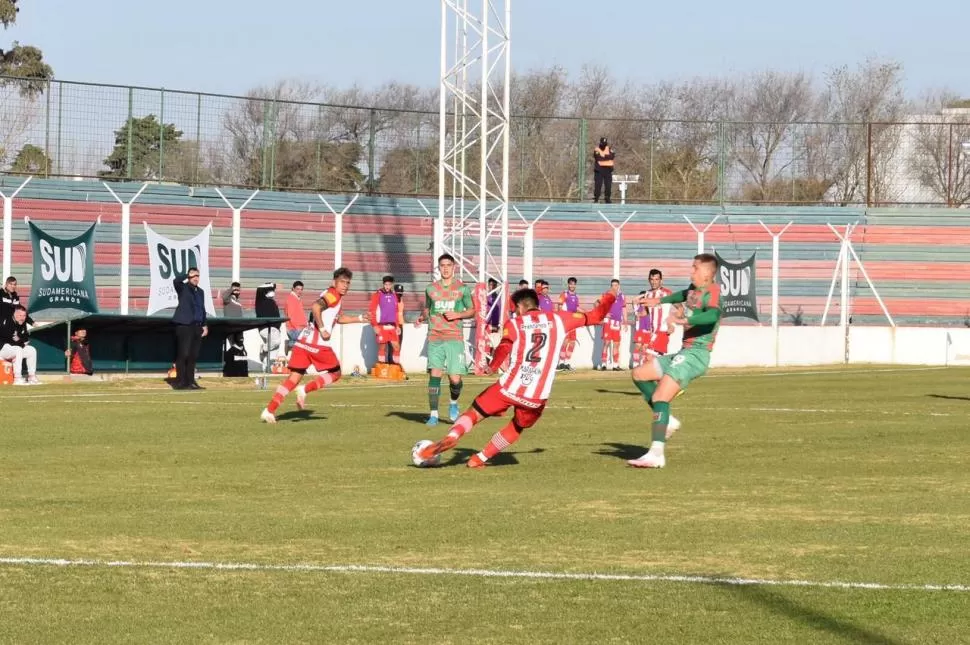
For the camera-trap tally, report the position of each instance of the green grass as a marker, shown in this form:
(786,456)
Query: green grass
(856,476)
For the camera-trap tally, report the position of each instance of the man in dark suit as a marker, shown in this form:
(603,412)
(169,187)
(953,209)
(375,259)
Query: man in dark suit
(190,329)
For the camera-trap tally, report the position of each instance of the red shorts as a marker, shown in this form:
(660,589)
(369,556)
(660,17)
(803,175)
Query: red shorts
(611,331)
(322,358)
(493,403)
(642,337)
(386,334)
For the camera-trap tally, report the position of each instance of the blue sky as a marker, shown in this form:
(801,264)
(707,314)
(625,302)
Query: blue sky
(231,46)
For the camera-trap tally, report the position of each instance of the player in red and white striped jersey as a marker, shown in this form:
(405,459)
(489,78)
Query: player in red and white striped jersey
(531,341)
(313,346)
(659,316)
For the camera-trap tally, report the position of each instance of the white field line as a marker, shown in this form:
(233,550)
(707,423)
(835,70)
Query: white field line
(475,573)
(418,382)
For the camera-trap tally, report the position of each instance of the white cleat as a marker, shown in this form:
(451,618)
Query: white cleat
(301,397)
(267,416)
(20,381)
(33,381)
(672,426)
(648,460)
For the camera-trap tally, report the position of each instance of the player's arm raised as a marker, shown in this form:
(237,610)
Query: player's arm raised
(594,317)
(346,319)
(675,297)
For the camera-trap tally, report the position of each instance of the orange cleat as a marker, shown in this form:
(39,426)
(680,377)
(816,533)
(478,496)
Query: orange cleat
(434,449)
(476,462)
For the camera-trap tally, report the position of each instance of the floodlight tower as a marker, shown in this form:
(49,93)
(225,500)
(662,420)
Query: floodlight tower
(473,142)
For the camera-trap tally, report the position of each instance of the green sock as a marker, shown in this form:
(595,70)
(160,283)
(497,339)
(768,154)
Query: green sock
(661,417)
(434,391)
(647,388)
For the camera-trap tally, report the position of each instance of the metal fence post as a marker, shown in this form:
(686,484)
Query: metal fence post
(721,171)
(198,136)
(581,175)
(47,133)
(264,174)
(869,199)
(371,154)
(949,167)
(131,112)
(161,136)
(60,122)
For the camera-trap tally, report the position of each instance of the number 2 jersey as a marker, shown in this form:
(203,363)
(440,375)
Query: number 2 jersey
(532,344)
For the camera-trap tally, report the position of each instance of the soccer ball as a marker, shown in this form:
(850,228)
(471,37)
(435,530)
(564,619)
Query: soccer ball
(419,446)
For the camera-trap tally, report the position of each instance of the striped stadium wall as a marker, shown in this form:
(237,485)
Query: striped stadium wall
(915,258)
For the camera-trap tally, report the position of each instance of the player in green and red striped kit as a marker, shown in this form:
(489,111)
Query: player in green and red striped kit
(447,302)
(663,378)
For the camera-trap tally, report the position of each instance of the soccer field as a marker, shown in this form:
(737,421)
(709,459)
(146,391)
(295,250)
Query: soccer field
(817,506)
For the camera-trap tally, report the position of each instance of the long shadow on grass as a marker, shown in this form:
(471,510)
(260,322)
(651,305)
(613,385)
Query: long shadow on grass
(622,451)
(624,392)
(300,415)
(949,398)
(414,417)
(460,456)
(817,620)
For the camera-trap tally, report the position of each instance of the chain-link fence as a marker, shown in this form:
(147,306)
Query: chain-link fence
(143,134)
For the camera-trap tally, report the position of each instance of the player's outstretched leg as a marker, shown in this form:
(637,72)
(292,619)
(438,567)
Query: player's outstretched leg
(462,425)
(646,378)
(499,442)
(665,391)
(454,389)
(320,382)
(269,413)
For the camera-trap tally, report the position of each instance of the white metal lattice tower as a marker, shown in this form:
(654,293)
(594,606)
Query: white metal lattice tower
(473,175)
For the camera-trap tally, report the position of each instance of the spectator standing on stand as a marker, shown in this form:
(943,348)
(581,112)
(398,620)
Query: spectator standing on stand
(603,157)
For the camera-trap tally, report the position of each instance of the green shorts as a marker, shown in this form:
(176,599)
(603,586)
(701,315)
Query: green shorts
(447,356)
(685,365)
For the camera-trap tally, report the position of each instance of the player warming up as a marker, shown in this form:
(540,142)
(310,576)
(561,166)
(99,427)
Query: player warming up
(313,347)
(569,303)
(612,329)
(532,340)
(447,302)
(662,378)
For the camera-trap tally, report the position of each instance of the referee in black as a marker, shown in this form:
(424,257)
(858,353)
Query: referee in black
(190,329)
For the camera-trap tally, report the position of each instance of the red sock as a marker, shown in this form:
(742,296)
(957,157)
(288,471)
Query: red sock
(616,354)
(606,348)
(396,356)
(322,381)
(569,349)
(500,441)
(282,390)
(464,423)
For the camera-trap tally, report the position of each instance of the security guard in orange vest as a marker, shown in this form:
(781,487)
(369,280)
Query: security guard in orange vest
(603,170)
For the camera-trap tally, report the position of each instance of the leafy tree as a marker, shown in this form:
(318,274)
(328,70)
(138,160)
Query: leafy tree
(151,143)
(31,160)
(22,61)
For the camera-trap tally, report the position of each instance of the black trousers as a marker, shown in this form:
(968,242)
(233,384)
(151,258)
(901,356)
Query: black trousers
(602,183)
(189,341)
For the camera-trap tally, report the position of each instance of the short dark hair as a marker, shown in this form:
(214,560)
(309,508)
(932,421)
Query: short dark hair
(541,283)
(614,281)
(493,281)
(343,272)
(387,278)
(572,281)
(296,284)
(20,308)
(235,284)
(523,282)
(191,269)
(707,258)
(446,256)
(528,296)
(10,279)
(655,272)
(643,293)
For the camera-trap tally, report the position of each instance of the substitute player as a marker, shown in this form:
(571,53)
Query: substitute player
(568,303)
(661,379)
(313,347)
(532,340)
(387,317)
(641,330)
(613,329)
(660,327)
(447,302)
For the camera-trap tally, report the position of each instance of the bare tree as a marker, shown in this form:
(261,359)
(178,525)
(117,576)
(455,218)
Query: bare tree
(19,113)
(765,111)
(863,145)
(938,159)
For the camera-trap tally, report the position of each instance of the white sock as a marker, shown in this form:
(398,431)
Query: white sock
(434,414)
(657,448)
(454,402)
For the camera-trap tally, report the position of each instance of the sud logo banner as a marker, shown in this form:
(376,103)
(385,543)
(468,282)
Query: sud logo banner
(169,259)
(63,271)
(737,288)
